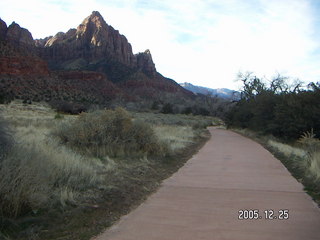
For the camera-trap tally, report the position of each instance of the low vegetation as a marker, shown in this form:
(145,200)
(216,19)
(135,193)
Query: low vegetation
(59,175)
(277,108)
(110,133)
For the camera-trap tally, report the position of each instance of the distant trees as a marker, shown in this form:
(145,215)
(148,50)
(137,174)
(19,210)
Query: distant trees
(276,108)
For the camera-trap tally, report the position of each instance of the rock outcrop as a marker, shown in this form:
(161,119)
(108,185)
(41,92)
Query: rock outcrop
(19,37)
(145,63)
(17,57)
(3,30)
(93,41)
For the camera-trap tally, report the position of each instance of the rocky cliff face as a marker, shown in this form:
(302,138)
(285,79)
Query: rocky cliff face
(93,41)
(145,63)
(19,36)
(92,62)
(17,57)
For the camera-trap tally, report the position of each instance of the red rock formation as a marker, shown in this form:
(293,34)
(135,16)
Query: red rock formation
(145,63)
(114,70)
(93,40)
(21,66)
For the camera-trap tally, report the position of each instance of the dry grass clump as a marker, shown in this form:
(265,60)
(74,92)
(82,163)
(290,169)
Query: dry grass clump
(109,133)
(312,147)
(177,137)
(37,176)
(314,167)
(306,157)
(36,172)
(287,150)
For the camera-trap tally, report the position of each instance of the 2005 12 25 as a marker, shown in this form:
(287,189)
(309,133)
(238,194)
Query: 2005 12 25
(267,214)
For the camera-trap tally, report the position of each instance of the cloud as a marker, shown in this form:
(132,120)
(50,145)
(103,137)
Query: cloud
(205,42)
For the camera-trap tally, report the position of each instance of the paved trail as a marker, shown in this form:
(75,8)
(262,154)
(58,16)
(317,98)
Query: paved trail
(202,200)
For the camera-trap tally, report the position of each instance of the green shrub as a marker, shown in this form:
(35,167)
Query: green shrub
(111,133)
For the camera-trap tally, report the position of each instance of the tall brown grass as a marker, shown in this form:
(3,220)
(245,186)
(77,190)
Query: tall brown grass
(32,177)
(311,144)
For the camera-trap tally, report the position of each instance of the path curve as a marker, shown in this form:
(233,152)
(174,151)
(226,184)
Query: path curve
(202,200)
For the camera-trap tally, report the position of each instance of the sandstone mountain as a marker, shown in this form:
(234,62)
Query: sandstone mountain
(93,62)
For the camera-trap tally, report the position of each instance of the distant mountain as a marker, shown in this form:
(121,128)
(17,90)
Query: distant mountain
(219,92)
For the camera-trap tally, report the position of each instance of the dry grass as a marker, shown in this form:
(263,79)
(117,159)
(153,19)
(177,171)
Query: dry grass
(314,167)
(38,168)
(287,150)
(312,148)
(42,173)
(176,137)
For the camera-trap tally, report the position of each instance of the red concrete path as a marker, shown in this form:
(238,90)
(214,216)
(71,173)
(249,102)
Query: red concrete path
(202,200)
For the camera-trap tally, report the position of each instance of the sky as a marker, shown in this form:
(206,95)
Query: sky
(203,42)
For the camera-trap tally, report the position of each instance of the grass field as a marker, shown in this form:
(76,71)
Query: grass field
(87,168)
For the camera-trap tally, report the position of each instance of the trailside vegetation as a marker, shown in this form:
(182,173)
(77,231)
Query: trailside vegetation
(277,108)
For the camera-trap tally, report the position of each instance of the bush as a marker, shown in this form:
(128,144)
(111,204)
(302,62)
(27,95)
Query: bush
(68,107)
(6,139)
(167,108)
(5,99)
(111,133)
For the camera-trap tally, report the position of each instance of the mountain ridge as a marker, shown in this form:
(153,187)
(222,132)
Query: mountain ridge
(92,52)
(218,92)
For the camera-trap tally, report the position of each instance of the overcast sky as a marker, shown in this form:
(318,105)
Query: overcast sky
(204,42)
